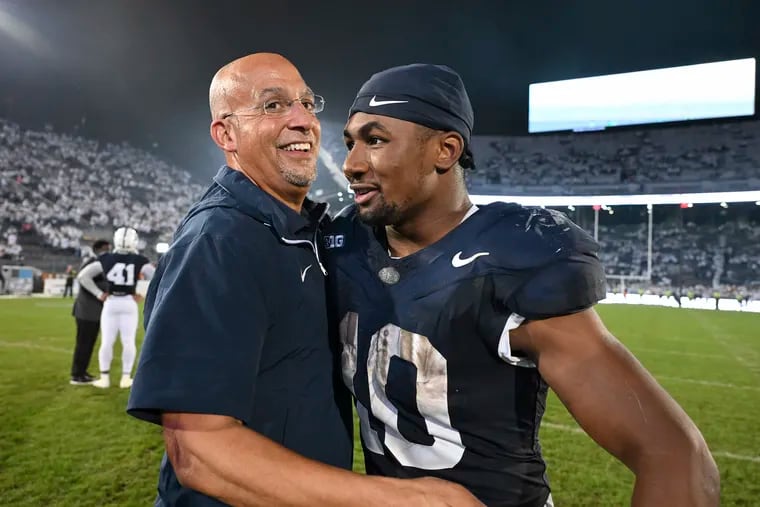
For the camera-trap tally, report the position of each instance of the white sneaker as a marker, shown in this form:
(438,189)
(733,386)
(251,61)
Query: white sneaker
(103,382)
(126,382)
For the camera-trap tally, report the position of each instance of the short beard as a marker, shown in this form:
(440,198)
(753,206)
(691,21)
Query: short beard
(382,215)
(299,179)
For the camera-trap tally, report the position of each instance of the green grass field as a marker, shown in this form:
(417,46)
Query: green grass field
(75,446)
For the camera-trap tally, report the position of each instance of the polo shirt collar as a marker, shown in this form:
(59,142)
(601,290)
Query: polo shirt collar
(253,201)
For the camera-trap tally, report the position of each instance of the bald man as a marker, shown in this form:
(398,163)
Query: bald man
(236,365)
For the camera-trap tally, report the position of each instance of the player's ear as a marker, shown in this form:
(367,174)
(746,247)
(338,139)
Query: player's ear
(450,148)
(223,135)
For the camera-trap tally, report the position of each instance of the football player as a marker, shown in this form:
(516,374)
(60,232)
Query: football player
(122,267)
(455,319)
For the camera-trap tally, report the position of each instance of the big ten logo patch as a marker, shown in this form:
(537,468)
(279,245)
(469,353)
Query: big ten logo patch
(334,241)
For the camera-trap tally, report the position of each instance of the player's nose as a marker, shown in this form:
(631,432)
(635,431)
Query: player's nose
(356,163)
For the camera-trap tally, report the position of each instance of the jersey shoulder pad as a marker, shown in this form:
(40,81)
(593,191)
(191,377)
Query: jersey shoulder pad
(520,237)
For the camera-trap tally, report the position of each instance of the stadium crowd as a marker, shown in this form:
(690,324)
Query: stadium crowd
(631,160)
(691,258)
(59,186)
(55,188)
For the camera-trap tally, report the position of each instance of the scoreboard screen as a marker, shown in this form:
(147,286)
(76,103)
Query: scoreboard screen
(692,92)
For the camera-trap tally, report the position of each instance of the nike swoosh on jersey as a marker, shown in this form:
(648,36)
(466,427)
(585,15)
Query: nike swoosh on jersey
(374,102)
(303,273)
(458,262)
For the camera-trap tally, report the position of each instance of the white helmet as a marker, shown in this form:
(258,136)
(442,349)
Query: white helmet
(125,240)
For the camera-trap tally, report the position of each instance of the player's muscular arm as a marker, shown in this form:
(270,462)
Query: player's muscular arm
(623,409)
(219,457)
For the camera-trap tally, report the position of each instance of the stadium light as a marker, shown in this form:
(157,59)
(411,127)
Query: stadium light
(162,247)
(724,205)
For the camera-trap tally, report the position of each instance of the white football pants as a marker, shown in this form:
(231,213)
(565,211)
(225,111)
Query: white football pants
(120,315)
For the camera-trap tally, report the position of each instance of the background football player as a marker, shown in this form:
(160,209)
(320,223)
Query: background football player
(123,267)
(456,319)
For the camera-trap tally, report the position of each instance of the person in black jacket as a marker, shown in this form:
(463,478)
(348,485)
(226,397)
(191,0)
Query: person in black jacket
(86,311)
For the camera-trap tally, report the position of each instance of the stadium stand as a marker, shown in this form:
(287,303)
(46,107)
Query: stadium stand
(58,192)
(688,159)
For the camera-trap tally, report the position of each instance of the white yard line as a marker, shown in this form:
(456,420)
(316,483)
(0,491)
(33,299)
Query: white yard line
(60,304)
(708,383)
(35,346)
(635,350)
(738,352)
(730,455)
(717,454)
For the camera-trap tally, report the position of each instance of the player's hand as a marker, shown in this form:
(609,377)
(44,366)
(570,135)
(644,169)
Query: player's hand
(137,297)
(103,296)
(432,492)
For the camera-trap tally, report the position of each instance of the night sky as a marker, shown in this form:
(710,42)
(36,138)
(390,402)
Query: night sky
(139,70)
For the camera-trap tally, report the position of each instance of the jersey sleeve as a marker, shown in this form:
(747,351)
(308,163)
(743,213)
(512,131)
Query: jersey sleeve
(206,322)
(566,286)
(87,277)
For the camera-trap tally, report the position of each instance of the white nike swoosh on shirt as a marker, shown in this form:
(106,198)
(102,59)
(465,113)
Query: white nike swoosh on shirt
(303,273)
(458,262)
(374,102)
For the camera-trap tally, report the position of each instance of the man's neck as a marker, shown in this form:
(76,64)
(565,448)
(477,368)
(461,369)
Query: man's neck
(292,197)
(424,230)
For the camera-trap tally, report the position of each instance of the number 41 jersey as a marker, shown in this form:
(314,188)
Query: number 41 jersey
(425,343)
(122,270)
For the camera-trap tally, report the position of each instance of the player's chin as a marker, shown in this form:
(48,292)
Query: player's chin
(377,214)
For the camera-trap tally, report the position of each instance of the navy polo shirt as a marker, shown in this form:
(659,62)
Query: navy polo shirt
(236,325)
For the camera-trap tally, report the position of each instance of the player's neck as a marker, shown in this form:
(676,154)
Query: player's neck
(425,228)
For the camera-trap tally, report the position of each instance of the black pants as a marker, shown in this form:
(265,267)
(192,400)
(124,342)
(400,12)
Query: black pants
(87,335)
(68,289)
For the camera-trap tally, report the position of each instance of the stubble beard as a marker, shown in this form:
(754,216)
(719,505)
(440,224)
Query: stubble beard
(381,215)
(300,178)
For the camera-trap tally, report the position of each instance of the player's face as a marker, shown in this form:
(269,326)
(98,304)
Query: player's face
(389,168)
(277,150)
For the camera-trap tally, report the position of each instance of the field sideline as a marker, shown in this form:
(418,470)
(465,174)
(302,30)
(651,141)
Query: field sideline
(62,445)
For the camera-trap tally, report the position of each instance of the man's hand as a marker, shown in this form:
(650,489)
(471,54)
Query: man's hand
(103,296)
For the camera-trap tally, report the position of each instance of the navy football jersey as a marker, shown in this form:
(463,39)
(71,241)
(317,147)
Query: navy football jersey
(122,271)
(426,351)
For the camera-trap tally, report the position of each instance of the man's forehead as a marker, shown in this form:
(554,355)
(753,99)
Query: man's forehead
(283,79)
(281,89)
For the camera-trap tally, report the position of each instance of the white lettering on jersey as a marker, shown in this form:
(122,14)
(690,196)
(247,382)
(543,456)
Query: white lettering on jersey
(121,274)
(334,241)
(432,395)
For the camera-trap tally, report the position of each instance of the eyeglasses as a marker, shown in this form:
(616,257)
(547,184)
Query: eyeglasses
(278,106)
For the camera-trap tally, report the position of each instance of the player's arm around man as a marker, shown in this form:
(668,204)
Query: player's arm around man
(620,405)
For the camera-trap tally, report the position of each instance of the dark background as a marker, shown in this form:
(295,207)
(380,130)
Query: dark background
(139,70)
